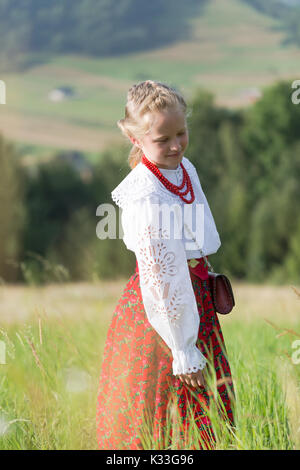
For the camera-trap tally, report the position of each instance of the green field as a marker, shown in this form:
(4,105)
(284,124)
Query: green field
(233,48)
(54,338)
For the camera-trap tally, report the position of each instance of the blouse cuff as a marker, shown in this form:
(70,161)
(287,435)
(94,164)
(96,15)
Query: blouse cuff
(186,362)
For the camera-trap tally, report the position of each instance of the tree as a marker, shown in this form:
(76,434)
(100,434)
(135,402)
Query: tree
(12,211)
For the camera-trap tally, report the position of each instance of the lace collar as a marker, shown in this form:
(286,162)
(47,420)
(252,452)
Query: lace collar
(141,182)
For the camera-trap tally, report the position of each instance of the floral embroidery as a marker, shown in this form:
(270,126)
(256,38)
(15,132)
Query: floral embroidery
(156,264)
(172,309)
(151,232)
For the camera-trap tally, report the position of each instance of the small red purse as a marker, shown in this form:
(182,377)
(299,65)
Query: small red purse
(219,284)
(221,291)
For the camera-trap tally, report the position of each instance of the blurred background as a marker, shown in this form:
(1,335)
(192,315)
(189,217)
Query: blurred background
(67,66)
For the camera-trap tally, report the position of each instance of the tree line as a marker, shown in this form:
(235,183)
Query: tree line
(31,28)
(248,162)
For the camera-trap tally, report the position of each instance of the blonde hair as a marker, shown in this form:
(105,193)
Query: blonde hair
(142,98)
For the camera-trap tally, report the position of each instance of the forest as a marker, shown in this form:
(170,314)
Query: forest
(93,27)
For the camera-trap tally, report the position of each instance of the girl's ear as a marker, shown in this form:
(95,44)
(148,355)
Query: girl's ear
(134,141)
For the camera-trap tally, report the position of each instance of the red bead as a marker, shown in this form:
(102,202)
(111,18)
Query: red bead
(186,181)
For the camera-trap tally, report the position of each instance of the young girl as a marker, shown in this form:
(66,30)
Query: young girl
(164,331)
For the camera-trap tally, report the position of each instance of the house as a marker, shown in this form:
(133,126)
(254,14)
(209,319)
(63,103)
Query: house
(61,93)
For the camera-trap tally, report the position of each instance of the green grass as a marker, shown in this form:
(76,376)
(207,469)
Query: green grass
(49,388)
(53,360)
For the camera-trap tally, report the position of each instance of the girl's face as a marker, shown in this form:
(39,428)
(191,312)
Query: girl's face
(165,143)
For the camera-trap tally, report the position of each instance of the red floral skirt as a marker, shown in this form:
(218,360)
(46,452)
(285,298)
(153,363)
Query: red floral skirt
(137,389)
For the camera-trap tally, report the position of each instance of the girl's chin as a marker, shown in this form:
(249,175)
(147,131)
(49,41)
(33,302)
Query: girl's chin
(169,162)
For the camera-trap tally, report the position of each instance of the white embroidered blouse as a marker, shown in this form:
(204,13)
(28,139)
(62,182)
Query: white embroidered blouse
(162,256)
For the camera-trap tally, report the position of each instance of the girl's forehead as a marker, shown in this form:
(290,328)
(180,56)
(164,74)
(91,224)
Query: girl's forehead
(161,121)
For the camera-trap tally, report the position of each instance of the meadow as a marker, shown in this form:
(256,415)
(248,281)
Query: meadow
(54,338)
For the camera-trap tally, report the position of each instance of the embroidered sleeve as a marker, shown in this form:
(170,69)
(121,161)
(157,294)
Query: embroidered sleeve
(166,288)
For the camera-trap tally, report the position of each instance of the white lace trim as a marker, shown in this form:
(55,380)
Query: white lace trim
(186,362)
(140,182)
(135,186)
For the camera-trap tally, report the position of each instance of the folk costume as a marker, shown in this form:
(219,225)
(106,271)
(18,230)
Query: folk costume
(164,323)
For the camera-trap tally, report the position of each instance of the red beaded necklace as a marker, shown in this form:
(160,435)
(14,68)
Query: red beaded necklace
(170,186)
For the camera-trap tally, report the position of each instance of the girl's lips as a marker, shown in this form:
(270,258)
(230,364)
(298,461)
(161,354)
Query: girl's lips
(174,154)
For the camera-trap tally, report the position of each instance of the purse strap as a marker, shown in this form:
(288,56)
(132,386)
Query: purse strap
(202,254)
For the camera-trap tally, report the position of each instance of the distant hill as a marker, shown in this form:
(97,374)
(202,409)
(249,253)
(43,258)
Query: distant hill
(99,28)
(288,14)
(233,50)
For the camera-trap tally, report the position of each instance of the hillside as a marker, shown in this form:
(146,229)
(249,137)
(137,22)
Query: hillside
(234,49)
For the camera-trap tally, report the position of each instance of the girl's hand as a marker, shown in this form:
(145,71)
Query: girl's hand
(195,379)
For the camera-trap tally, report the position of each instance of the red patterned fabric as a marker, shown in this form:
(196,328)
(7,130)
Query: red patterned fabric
(137,384)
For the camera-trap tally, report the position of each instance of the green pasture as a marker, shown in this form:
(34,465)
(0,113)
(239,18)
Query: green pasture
(54,338)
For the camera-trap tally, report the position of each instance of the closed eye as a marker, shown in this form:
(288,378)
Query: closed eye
(165,139)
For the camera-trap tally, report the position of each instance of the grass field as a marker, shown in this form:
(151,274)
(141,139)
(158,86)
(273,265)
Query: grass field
(233,48)
(54,339)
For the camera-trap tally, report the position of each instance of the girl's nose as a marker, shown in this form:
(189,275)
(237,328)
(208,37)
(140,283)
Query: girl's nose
(175,145)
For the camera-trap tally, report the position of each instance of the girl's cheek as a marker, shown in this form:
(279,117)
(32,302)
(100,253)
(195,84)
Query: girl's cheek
(185,141)
(163,147)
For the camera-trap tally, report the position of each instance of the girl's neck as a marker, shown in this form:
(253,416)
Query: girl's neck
(169,169)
